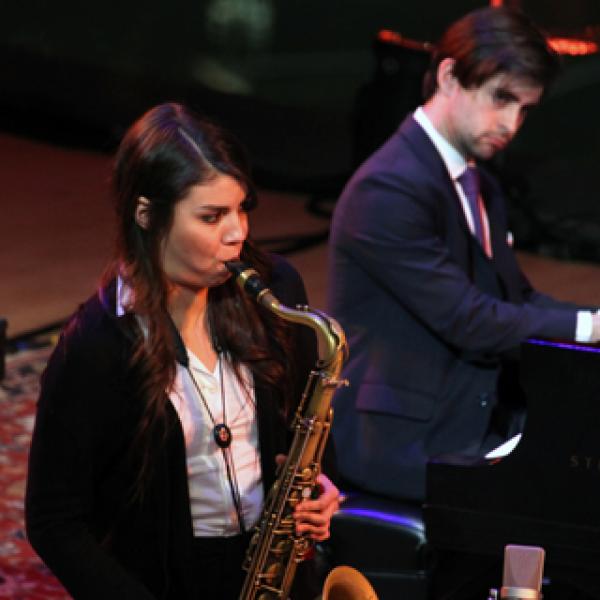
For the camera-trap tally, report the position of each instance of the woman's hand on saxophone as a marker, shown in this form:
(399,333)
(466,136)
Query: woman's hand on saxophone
(314,516)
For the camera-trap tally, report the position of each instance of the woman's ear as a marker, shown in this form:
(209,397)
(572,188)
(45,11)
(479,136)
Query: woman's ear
(446,80)
(142,212)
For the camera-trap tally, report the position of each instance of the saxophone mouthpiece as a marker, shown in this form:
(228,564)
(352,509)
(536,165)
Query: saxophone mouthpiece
(236,267)
(247,278)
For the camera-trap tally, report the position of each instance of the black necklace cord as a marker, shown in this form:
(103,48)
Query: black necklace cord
(223,437)
(233,486)
(221,432)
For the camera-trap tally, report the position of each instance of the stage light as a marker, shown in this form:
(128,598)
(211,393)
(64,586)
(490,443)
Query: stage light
(572,47)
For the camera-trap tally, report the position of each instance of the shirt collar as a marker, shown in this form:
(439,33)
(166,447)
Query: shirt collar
(124,296)
(123,300)
(454,161)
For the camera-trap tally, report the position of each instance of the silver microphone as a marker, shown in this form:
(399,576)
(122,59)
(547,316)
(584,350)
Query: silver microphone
(523,571)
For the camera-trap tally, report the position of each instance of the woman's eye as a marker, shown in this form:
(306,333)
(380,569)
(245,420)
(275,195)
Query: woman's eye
(210,218)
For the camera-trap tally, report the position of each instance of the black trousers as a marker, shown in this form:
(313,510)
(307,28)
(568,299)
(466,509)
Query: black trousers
(218,562)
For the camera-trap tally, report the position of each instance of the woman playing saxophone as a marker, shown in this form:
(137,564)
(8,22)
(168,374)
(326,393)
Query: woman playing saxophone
(165,402)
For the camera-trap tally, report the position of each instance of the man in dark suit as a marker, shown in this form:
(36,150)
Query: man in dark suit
(422,276)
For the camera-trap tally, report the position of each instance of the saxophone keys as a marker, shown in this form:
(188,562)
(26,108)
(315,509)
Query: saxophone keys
(333,382)
(306,475)
(272,573)
(281,548)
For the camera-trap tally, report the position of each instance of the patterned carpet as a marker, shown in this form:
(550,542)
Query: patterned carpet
(22,574)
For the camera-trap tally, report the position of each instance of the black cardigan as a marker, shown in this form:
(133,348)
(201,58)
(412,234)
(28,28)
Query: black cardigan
(79,517)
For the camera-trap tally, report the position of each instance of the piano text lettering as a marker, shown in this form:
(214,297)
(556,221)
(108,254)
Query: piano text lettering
(586,463)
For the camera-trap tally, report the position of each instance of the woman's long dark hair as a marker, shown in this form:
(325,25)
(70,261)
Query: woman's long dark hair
(163,154)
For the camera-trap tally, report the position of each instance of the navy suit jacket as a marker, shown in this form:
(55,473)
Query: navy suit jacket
(427,315)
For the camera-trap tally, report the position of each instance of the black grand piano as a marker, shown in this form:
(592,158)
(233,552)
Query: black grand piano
(545,493)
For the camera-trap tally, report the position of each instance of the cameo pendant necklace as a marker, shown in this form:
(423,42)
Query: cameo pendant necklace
(221,432)
(223,436)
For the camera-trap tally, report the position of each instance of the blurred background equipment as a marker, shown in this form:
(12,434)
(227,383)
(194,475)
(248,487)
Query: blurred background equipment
(393,91)
(282,75)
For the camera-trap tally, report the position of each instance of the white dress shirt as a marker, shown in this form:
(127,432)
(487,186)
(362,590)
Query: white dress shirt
(213,511)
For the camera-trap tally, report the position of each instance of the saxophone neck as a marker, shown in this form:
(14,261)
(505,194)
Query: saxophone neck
(330,336)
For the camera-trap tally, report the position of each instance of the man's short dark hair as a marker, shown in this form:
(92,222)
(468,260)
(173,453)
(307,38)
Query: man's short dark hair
(490,41)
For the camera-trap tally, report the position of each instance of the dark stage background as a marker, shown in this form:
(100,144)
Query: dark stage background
(304,84)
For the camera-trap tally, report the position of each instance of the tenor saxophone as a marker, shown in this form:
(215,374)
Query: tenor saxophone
(276,549)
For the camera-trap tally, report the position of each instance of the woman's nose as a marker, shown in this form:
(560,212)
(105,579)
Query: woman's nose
(237,228)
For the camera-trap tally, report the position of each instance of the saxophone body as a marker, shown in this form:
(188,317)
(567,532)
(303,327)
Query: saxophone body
(275,549)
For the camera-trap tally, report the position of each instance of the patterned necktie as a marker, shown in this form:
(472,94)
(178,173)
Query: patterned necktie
(469,182)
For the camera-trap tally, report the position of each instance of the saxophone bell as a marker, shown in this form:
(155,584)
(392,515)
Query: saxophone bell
(346,583)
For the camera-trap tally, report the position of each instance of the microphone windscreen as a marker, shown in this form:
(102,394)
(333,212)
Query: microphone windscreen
(523,567)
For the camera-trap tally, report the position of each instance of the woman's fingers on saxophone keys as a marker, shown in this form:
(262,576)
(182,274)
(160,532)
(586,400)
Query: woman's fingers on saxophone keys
(314,516)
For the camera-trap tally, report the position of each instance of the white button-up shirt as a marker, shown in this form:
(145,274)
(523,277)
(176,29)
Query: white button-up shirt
(213,511)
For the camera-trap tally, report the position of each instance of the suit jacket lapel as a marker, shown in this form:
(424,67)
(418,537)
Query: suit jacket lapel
(494,204)
(427,153)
